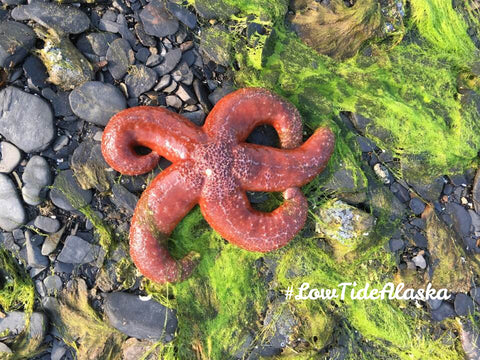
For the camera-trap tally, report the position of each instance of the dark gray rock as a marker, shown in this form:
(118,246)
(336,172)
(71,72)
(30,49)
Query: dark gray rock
(416,205)
(35,71)
(96,43)
(186,95)
(434,303)
(35,259)
(7,241)
(170,60)
(53,284)
(475,293)
(197,117)
(157,21)
(396,244)
(183,74)
(97,102)
(119,56)
(400,192)
(10,157)
(16,40)
(140,79)
(140,319)
(445,310)
(163,82)
(476,192)
(145,39)
(219,93)
(142,54)
(62,18)
(78,251)
(420,240)
(124,198)
(36,177)
(186,17)
(463,304)
(462,222)
(47,224)
(51,242)
(365,144)
(65,181)
(59,101)
(25,120)
(12,215)
(429,189)
(202,95)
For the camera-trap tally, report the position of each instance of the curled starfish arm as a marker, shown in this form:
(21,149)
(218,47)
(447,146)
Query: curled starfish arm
(235,220)
(163,132)
(240,112)
(162,205)
(276,169)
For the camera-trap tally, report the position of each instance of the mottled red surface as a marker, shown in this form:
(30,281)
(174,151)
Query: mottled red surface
(213,166)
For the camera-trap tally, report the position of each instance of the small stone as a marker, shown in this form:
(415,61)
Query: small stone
(140,319)
(420,240)
(197,117)
(163,83)
(157,21)
(53,284)
(25,120)
(462,221)
(170,60)
(96,43)
(416,205)
(445,310)
(35,71)
(119,56)
(186,95)
(51,242)
(186,17)
(78,251)
(16,40)
(219,93)
(35,259)
(153,60)
(10,157)
(47,224)
(202,95)
(419,261)
(434,303)
(382,172)
(142,54)
(140,79)
(58,350)
(171,88)
(62,18)
(60,143)
(124,198)
(67,182)
(400,192)
(475,292)
(183,74)
(396,244)
(12,215)
(59,101)
(145,39)
(173,101)
(463,304)
(97,102)
(36,177)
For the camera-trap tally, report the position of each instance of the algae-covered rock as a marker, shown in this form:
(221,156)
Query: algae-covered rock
(450,270)
(66,66)
(343,225)
(215,9)
(216,45)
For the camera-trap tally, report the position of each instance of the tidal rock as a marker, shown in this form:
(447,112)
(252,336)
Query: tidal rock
(419,261)
(51,242)
(119,56)
(219,93)
(46,224)
(215,45)
(462,221)
(35,72)
(140,79)
(78,251)
(476,192)
(141,319)
(396,244)
(36,177)
(186,95)
(16,40)
(25,120)
(470,338)
(170,60)
(181,13)
(90,168)
(173,101)
(443,311)
(67,194)
(124,198)
(53,284)
(463,305)
(35,258)
(343,225)
(95,45)
(157,21)
(97,102)
(62,18)
(416,205)
(14,324)
(10,157)
(183,74)
(12,215)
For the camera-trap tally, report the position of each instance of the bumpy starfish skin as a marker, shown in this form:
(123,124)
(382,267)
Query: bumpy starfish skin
(213,167)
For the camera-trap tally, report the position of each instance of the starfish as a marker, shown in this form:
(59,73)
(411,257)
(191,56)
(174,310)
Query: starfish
(213,166)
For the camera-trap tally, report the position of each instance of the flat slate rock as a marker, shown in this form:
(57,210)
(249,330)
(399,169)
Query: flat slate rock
(10,157)
(13,214)
(119,56)
(62,18)
(16,40)
(157,21)
(15,322)
(25,120)
(96,102)
(170,60)
(78,251)
(96,43)
(36,177)
(140,79)
(140,319)
(181,13)
(66,180)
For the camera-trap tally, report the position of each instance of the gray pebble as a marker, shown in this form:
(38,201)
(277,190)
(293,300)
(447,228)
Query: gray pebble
(445,310)
(157,21)
(182,14)
(396,244)
(119,56)
(163,82)
(36,177)
(53,284)
(219,93)
(78,251)
(25,120)
(51,242)
(173,101)
(97,102)
(35,258)
(197,117)
(416,205)
(419,261)
(463,304)
(47,224)
(186,95)
(183,74)
(170,60)
(124,198)
(140,79)
(66,179)
(13,214)
(16,39)
(10,157)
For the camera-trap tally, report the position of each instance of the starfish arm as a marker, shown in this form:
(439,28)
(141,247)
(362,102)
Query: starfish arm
(236,221)
(170,196)
(272,169)
(163,132)
(240,112)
